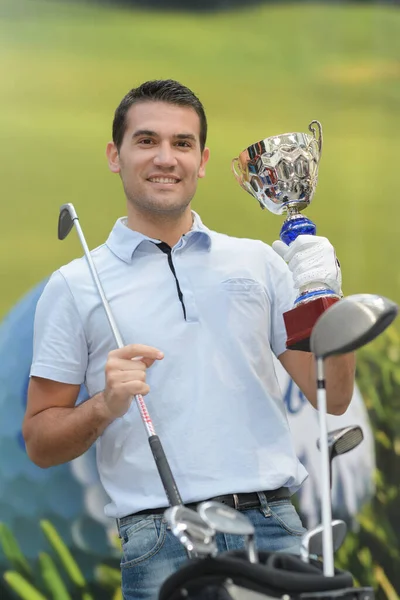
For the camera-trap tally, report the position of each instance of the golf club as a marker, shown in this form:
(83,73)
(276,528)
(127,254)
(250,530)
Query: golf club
(341,441)
(193,533)
(312,541)
(225,519)
(67,219)
(343,327)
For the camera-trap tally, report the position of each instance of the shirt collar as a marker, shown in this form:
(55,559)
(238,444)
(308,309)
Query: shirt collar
(123,241)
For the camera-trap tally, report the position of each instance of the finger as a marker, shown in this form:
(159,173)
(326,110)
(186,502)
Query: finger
(280,248)
(114,366)
(125,376)
(135,387)
(305,259)
(138,350)
(146,361)
(123,364)
(302,243)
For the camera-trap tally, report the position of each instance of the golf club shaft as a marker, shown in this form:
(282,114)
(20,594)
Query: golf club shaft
(252,553)
(106,306)
(327,543)
(161,461)
(304,555)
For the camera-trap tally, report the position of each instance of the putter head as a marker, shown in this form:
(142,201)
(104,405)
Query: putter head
(343,440)
(66,220)
(351,323)
(190,529)
(312,544)
(225,519)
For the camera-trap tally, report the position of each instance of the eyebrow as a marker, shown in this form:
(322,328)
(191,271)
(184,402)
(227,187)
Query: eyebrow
(140,132)
(186,136)
(178,136)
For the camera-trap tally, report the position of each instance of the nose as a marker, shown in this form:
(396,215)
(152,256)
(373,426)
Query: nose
(165,156)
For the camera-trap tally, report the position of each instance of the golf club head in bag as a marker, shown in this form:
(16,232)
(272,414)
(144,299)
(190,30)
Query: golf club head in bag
(224,519)
(341,441)
(343,327)
(351,323)
(190,529)
(230,576)
(311,542)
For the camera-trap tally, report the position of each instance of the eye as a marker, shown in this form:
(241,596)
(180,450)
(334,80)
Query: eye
(146,141)
(184,144)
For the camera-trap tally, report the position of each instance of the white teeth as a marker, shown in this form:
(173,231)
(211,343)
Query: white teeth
(163,180)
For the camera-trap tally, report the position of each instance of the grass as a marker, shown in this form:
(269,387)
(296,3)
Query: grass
(260,71)
(57,574)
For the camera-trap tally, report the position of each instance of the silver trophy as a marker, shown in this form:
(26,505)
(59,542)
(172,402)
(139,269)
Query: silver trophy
(281,172)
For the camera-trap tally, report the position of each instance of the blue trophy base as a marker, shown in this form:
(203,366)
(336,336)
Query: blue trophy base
(296,225)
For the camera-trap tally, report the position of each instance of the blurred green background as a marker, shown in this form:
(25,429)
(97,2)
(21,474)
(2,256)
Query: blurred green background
(262,71)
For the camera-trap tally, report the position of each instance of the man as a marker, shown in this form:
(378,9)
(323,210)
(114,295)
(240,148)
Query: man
(201,315)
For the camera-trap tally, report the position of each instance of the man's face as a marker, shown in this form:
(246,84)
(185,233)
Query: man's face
(159,160)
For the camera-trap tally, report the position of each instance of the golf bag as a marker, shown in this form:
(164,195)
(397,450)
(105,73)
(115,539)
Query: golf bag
(230,576)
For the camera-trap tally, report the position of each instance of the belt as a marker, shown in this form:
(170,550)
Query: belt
(243,501)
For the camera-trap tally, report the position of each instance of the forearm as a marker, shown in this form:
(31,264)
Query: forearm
(58,435)
(339,376)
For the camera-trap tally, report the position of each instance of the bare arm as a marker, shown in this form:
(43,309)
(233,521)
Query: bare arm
(340,374)
(57,431)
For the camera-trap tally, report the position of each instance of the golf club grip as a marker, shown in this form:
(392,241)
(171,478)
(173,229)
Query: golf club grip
(164,471)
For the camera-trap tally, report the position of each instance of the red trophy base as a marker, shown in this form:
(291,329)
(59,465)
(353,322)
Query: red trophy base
(301,319)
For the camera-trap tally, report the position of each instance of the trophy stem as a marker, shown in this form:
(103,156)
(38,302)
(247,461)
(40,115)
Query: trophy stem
(292,211)
(296,224)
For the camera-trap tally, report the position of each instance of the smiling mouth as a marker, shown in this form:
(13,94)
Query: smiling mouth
(164,180)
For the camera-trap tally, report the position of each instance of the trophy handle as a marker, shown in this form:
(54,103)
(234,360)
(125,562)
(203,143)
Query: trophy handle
(318,137)
(239,176)
(242,182)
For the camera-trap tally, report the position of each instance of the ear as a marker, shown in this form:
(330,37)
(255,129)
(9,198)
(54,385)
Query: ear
(113,157)
(204,160)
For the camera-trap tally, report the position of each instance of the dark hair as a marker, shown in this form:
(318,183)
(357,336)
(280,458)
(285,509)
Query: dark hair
(164,90)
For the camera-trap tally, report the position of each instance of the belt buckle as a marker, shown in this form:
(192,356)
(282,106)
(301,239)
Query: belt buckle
(235,501)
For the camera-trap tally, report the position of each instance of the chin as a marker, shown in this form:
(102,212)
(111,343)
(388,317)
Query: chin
(164,209)
(165,206)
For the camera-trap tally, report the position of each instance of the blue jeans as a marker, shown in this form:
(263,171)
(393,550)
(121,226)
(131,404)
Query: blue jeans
(151,553)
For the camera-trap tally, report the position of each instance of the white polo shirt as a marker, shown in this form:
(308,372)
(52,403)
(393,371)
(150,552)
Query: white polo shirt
(213,305)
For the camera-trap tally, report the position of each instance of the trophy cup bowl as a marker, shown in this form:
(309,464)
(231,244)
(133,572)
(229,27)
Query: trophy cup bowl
(281,173)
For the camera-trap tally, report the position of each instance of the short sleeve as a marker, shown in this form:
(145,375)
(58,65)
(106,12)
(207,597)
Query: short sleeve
(60,349)
(283,295)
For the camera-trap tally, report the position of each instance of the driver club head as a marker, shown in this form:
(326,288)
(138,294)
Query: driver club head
(193,533)
(343,440)
(312,541)
(351,323)
(225,519)
(66,220)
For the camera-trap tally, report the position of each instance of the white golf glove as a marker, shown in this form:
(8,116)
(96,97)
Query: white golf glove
(312,260)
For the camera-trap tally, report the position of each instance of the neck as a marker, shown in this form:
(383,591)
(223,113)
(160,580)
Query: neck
(165,227)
